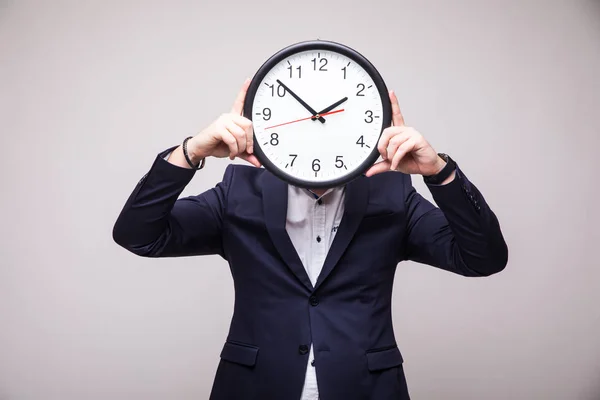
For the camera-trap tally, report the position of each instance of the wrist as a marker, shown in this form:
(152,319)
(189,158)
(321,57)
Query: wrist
(438,167)
(445,174)
(190,156)
(195,152)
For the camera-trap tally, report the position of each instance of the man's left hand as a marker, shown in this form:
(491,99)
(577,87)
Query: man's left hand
(404,149)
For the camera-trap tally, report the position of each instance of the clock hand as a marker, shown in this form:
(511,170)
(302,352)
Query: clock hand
(304,119)
(331,107)
(294,95)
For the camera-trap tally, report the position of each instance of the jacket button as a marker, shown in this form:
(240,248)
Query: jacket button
(319,239)
(313,301)
(303,349)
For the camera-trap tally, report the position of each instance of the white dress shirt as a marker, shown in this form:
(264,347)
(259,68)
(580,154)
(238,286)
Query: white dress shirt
(311,224)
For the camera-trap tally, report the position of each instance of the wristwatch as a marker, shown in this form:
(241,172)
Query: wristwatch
(444,173)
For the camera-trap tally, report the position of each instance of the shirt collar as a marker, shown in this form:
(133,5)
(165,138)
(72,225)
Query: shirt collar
(313,195)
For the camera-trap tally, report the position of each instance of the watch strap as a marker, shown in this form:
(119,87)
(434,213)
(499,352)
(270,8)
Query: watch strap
(444,173)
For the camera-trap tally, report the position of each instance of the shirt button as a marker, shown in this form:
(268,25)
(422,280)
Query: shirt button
(313,301)
(319,202)
(303,349)
(319,239)
(312,363)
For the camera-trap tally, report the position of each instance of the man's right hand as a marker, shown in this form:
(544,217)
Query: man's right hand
(230,135)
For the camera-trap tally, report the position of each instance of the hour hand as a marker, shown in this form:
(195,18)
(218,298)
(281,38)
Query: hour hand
(331,107)
(309,108)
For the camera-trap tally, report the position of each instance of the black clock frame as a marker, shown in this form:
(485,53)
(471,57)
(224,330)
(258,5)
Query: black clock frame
(312,45)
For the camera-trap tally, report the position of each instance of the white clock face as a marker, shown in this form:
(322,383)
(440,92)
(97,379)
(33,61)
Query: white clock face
(308,149)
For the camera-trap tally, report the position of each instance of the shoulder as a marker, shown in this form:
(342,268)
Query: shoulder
(389,182)
(243,170)
(243,177)
(389,190)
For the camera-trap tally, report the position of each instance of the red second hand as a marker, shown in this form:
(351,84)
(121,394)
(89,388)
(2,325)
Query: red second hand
(304,119)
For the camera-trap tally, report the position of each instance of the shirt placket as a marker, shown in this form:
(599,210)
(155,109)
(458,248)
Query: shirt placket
(319,243)
(319,248)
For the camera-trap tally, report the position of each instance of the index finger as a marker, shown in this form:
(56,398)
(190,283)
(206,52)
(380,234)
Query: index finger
(377,168)
(238,104)
(397,118)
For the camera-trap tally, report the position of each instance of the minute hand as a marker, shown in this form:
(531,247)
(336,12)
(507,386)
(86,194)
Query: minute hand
(309,108)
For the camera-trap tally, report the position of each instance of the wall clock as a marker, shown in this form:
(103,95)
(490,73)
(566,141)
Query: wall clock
(318,109)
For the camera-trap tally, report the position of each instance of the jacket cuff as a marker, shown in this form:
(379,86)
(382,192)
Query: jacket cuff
(162,170)
(454,194)
(162,163)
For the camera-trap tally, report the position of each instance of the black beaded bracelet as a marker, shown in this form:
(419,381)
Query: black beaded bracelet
(187,157)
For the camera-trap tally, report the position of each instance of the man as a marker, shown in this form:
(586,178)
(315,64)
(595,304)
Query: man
(313,270)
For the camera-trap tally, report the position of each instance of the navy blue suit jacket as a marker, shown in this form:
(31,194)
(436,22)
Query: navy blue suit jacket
(278,313)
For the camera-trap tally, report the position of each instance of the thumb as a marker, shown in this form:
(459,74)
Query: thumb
(238,104)
(397,118)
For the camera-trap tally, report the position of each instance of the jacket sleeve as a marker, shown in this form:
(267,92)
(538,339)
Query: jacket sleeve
(155,223)
(462,235)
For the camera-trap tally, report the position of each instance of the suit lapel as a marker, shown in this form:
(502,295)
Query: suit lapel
(275,199)
(357,197)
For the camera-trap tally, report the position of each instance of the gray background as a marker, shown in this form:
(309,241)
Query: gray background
(91,91)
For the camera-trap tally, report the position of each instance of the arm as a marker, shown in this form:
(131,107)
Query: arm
(462,235)
(153,223)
